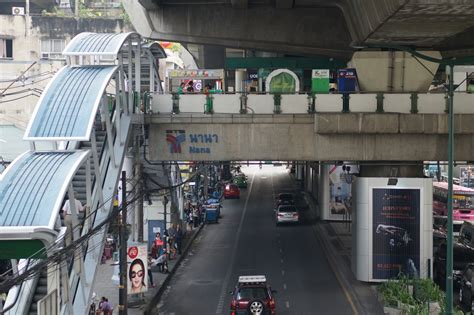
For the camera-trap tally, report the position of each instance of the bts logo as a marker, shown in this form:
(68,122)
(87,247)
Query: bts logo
(175,138)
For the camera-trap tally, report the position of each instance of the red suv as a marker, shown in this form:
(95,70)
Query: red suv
(252,296)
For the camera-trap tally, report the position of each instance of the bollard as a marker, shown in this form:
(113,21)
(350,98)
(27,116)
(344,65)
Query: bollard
(379,98)
(243,103)
(208,107)
(175,99)
(414,103)
(345,102)
(277,103)
(446,100)
(311,103)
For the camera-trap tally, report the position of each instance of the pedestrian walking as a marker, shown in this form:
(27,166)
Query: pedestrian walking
(179,238)
(190,88)
(181,88)
(158,243)
(150,274)
(67,212)
(196,216)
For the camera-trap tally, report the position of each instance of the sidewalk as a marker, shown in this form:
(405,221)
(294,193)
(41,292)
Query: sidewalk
(336,241)
(104,286)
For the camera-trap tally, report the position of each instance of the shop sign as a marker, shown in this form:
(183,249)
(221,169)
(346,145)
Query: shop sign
(196,74)
(320,81)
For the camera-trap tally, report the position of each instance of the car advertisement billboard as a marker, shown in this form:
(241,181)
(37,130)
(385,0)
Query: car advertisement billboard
(137,262)
(395,232)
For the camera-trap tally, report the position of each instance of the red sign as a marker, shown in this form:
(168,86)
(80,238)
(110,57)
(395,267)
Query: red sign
(133,252)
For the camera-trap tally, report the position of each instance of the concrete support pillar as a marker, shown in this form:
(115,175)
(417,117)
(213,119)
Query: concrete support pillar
(240,76)
(323,191)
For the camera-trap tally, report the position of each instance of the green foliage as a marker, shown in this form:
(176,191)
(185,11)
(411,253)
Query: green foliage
(415,294)
(124,15)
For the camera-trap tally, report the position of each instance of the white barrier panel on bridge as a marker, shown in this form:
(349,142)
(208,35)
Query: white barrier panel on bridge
(328,102)
(431,103)
(192,103)
(463,103)
(294,104)
(260,104)
(226,103)
(365,103)
(162,103)
(397,103)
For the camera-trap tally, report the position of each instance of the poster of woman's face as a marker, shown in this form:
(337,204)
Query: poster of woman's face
(137,269)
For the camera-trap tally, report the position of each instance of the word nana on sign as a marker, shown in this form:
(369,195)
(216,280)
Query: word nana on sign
(199,150)
(203,138)
(176,140)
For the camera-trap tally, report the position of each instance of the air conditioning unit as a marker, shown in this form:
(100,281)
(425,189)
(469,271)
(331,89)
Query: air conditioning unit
(18,11)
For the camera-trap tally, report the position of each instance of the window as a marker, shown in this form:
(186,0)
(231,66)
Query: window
(6,48)
(52,48)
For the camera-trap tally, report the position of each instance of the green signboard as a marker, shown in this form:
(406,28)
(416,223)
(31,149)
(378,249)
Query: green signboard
(282,83)
(17,249)
(320,81)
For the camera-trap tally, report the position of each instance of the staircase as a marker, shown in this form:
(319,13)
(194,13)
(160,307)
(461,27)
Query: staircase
(40,292)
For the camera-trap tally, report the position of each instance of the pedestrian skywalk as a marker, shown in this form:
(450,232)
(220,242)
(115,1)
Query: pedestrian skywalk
(85,115)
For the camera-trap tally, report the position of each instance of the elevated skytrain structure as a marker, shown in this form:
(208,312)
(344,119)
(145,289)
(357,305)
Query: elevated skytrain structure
(85,114)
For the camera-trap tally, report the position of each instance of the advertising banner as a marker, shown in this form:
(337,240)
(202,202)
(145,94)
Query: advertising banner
(320,81)
(137,262)
(340,193)
(346,80)
(215,74)
(395,232)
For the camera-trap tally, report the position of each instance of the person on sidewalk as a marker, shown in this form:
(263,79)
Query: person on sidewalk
(158,243)
(195,216)
(179,239)
(162,263)
(150,274)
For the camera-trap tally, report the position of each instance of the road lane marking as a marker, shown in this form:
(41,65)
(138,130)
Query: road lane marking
(281,251)
(281,260)
(284,286)
(283,272)
(339,276)
(287,304)
(225,283)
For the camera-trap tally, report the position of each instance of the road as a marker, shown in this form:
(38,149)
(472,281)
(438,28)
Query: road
(247,241)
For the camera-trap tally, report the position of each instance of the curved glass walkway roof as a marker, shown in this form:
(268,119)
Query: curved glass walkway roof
(67,107)
(96,44)
(32,189)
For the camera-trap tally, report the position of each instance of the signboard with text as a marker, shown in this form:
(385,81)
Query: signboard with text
(395,232)
(320,81)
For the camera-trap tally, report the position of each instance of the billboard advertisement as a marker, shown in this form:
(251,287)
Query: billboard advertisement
(340,193)
(395,232)
(137,262)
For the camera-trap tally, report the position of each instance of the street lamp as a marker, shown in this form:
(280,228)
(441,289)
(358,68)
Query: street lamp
(449,63)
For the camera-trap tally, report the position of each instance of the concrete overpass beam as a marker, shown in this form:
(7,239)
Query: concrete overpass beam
(284,4)
(240,4)
(150,4)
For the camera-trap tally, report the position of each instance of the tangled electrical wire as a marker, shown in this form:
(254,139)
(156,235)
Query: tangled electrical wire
(57,253)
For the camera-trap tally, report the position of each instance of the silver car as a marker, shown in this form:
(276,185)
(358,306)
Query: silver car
(287,214)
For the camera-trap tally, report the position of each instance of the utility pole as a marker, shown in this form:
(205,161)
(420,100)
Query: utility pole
(76,8)
(165,203)
(123,304)
(139,188)
(206,181)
